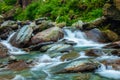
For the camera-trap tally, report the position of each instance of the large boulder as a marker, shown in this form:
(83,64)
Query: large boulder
(56,48)
(70,56)
(75,66)
(110,35)
(18,65)
(42,25)
(48,35)
(116,52)
(22,36)
(6,28)
(113,45)
(3,51)
(94,52)
(95,35)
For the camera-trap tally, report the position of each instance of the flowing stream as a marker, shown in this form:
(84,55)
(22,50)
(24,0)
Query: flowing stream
(42,62)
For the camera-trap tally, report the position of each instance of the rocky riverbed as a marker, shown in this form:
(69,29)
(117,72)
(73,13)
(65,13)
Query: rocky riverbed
(46,50)
(29,52)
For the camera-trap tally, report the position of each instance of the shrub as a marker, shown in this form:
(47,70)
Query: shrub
(10,2)
(63,10)
(4,8)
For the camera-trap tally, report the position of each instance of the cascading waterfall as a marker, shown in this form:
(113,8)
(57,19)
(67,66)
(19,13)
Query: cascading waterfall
(108,72)
(43,61)
(80,38)
(12,50)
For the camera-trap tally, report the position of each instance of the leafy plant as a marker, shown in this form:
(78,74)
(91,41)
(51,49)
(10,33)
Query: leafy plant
(68,11)
(10,2)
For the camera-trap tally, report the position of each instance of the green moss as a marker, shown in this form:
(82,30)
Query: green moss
(70,56)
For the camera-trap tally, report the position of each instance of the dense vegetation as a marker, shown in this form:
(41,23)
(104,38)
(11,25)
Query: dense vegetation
(57,10)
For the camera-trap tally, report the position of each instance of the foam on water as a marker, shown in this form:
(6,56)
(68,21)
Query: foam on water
(113,74)
(44,60)
(108,72)
(12,50)
(80,38)
(18,77)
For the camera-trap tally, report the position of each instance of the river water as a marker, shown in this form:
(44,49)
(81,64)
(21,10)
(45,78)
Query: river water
(42,62)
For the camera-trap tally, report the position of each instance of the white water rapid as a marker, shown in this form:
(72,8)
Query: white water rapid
(44,61)
(12,50)
(80,38)
(108,72)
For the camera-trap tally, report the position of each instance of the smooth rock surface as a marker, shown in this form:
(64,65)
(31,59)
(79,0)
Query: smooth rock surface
(48,35)
(22,36)
(79,65)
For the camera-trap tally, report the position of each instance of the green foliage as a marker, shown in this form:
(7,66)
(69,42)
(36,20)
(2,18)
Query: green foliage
(10,2)
(61,10)
(92,15)
(4,8)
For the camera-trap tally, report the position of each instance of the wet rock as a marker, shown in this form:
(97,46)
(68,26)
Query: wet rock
(116,52)
(82,76)
(56,48)
(69,42)
(94,52)
(22,36)
(48,35)
(115,45)
(42,25)
(60,48)
(7,23)
(18,65)
(115,64)
(95,35)
(99,22)
(70,56)
(79,65)
(110,35)
(45,48)
(3,51)
(38,46)
(40,20)
(7,28)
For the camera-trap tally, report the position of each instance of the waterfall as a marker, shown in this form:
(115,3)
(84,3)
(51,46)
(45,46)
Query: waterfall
(11,49)
(80,38)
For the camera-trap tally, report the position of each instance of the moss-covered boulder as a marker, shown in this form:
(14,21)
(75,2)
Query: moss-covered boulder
(69,56)
(43,24)
(75,66)
(110,35)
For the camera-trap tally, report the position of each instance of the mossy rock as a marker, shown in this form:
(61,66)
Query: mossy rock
(110,35)
(70,56)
